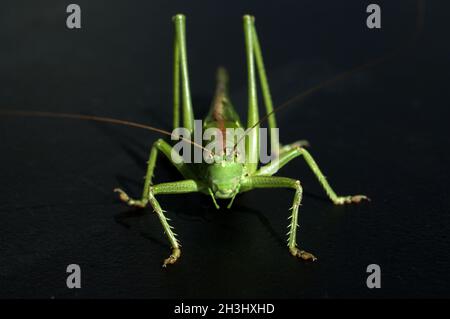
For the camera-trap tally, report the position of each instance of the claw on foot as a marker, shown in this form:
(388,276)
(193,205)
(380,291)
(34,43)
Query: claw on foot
(302,254)
(351,199)
(176,253)
(130,202)
(122,195)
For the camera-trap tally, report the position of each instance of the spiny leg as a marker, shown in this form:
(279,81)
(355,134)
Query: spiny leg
(284,182)
(159,146)
(289,155)
(180,187)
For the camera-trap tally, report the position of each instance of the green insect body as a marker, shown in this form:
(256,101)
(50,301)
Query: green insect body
(226,178)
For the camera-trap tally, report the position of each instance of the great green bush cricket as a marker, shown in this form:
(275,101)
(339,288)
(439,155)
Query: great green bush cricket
(228,177)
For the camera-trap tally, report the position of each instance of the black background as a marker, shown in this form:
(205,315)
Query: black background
(382,132)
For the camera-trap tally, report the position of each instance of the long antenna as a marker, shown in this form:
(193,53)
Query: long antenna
(96,119)
(420,20)
(320,86)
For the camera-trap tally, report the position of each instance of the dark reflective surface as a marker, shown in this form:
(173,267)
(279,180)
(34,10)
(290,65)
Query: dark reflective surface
(382,132)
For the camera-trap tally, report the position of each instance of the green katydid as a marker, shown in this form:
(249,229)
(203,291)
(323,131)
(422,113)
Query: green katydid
(226,178)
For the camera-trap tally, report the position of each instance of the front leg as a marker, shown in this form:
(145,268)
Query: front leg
(180,187)
(296,151)
(283,182)
(159,146)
